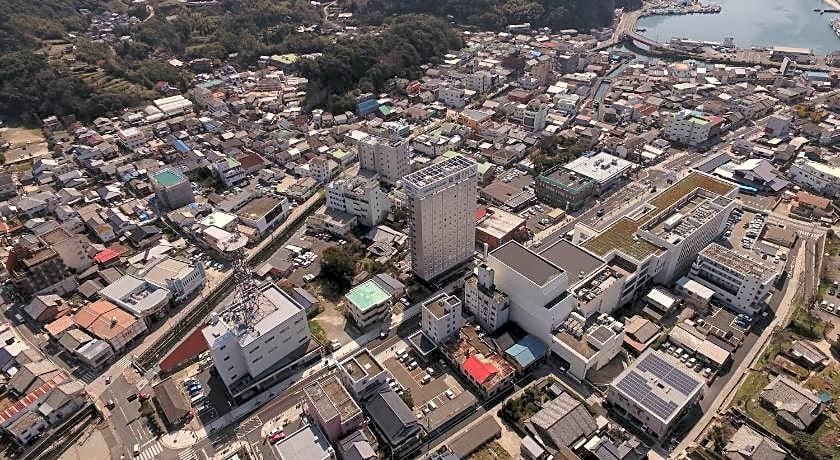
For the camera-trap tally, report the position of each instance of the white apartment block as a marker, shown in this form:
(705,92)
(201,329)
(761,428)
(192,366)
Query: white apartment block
(251,346)
(361,197)
(442,201)
(821,178)
(689,127)
(441,317)
(133,138)
(452,96)
(481,82)
(738,282)
(389,158)
(534,115)
(489,306)
(230,171)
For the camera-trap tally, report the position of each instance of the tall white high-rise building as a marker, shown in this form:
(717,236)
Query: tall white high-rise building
(389,158)
(442,200)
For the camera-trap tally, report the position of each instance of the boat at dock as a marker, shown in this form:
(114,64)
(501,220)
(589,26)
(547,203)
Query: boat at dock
(835,25)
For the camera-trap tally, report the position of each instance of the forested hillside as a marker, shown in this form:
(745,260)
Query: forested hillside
(495,14)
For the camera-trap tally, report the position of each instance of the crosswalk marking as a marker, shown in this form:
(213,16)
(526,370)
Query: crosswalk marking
(187,454)
(152,451)
(143,383)
(123,363)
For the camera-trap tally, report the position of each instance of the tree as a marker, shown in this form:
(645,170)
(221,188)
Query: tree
(338,267)
(407,398)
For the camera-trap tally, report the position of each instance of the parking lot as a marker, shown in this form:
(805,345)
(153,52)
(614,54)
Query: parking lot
(743,232)
(437,400)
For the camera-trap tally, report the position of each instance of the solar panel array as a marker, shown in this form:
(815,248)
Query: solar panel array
(668,374)
(637,388)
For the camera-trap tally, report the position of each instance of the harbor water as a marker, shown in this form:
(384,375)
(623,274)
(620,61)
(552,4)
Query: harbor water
(752,23)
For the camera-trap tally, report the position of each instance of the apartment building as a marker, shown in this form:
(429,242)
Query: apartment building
(362,374)
(368,304)
(442,201)
(452,96)
(821,178)
(361,197)
(689,127)
(133,138)
(489,306)
(172,189)
(251,343)
(230,171)
(534,115)
(740,283)
(388,158)
(441,317)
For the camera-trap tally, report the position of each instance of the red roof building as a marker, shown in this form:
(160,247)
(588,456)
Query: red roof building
(106,256)
(478,370)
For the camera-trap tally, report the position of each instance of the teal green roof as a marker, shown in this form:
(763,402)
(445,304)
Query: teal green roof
(483,167)
(367,295)
(340,154)
(167,177)
(233,163)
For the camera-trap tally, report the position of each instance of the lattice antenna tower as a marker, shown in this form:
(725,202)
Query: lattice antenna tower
(247,298)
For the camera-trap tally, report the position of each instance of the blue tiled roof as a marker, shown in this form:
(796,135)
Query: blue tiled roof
(527,350)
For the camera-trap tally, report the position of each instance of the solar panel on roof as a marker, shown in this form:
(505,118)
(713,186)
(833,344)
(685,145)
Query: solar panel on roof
(634,386)
(659,406)
(668,373)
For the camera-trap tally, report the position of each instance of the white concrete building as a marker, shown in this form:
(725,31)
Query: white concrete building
(180,277)
(535,286)
(738,282)
(604,169)
(133,138)
(264,213)
(250,347)
(230,171)
(535,115)
(141,298)
(441,317)
(489,306)
(452,96)
(361,197)
(688,127)
(442,200)
(821,178)
(481,81)
(389,158)
(587,344)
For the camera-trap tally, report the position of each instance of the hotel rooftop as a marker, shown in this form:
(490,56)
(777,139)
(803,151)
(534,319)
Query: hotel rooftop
(618,235)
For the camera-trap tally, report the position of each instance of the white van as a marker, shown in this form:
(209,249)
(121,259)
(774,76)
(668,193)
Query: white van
(197,399)
(426,379)
(432,405)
